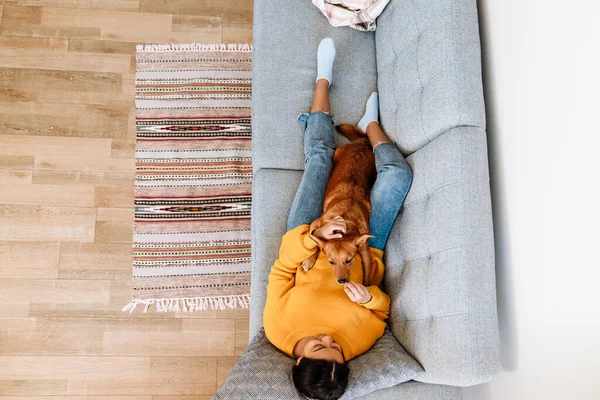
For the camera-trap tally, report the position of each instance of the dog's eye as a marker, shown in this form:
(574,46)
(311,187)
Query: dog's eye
(348,261)
(331,262)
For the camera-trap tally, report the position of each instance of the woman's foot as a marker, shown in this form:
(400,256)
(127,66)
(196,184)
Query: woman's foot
(371,113)
(325,58)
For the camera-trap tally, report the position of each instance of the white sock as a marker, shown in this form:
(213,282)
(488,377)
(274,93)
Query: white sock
(371,113)
(325,57)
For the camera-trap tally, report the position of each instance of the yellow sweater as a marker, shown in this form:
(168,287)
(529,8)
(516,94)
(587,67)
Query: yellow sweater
(301,304)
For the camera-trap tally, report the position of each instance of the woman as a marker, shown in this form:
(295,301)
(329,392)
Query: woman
(307,314)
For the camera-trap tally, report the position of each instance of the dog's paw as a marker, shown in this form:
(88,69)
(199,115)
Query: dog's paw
(308,264)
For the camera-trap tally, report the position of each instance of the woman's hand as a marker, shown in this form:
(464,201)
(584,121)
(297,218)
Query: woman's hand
(328,231)
(357,292)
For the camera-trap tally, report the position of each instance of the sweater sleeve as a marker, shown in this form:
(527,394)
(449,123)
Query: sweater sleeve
(379,303)
(296,246)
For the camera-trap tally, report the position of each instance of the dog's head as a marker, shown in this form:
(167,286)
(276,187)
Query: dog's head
(341,252)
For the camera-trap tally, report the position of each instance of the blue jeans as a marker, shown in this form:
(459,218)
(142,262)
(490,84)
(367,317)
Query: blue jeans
(394,178)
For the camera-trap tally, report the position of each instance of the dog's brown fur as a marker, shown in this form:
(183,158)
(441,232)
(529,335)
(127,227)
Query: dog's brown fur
(348,195)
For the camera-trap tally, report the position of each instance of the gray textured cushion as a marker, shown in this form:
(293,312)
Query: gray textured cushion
(263,372)
(440,262)
(416,391)
(273,191)
(284,64)
(429,69)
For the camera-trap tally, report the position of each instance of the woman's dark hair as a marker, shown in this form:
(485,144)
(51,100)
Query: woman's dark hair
(320,379)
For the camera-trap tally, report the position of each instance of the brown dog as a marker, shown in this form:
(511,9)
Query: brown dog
(348,195)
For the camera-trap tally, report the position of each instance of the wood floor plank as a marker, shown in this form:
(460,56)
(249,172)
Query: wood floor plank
(21,15)
(241,336)
(78,120)
(132,325)
(224,367)
(241,8)
(169,386)
(167,377)
(62,324)
(17,324)
(131,124)
(84,164)
(15,309)
(75,336)
(11,161)
(69,367)
(112,196)
(236,313)
(26,146)
(120,5)
(217,339)
(210,34)
(95,261)
(39,31)
(63,97)
(82,178)
(101,46)
(236,35)
(51,343)
(15,177)
(87,62)
(114,225)
(19,387)
(123,148)
(22,44)
(55,86)
(47,224)
(77,398)
(54,291)
(196,23)
(29,260)
(49,195)
(107,19)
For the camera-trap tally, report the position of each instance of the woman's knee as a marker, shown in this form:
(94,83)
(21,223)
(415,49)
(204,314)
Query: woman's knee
(397,170)
(317,149)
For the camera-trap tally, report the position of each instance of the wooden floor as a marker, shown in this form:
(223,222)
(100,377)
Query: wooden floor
(67,136)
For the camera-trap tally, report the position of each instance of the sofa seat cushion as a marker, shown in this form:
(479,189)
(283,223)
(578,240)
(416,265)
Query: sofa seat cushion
(429,70)
(440,262)
(264,372)
(284,68)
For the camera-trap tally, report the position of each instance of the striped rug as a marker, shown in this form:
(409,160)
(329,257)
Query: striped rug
(193,183)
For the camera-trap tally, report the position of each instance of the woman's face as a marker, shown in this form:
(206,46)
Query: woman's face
(321,347)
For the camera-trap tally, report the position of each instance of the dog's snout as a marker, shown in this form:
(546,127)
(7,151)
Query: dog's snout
(342,281)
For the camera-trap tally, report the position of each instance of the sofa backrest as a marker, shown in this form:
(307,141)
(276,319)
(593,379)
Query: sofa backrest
(429,69)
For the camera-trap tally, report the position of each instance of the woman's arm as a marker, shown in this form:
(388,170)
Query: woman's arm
(370,297)
(297,246)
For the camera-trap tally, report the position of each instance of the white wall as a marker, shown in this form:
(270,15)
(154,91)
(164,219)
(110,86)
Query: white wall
(541,75)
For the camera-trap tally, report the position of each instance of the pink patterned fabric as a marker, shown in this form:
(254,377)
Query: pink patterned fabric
(357,14)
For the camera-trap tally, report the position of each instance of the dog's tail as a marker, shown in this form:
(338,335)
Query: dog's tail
(353,134)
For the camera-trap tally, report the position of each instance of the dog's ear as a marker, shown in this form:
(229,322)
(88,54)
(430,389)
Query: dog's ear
(319,242)
(360,240)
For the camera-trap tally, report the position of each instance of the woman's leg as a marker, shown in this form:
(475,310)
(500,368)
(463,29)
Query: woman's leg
(394,178)
(319,147)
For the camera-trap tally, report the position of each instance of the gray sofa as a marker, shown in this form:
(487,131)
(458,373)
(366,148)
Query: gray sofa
(424,59)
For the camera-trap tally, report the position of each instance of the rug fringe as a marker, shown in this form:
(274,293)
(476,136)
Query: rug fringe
(194,47)
(191,304)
